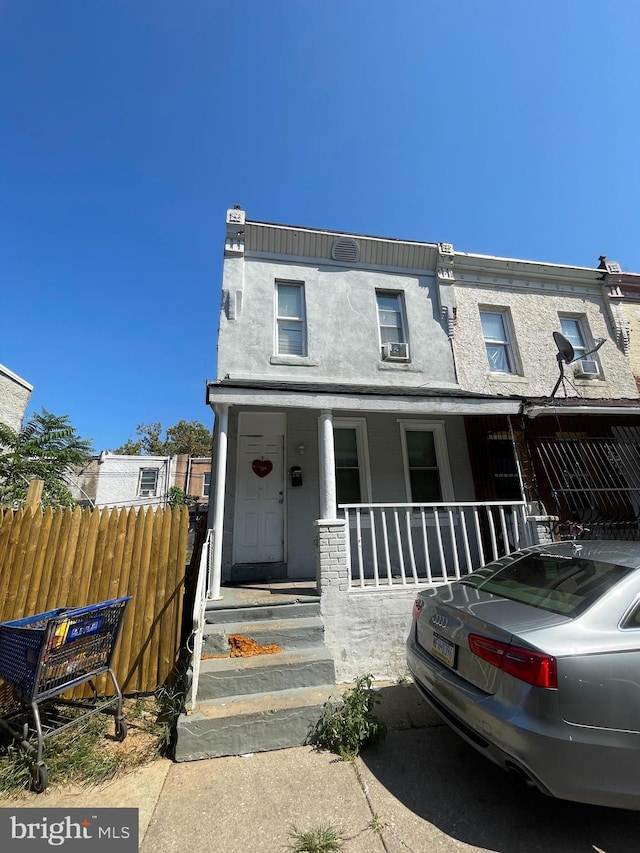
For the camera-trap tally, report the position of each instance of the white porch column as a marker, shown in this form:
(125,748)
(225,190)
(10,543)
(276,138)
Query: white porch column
(215,566)
(328,504)
(332,560)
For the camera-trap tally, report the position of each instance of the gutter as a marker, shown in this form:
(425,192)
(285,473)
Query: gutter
(534,411)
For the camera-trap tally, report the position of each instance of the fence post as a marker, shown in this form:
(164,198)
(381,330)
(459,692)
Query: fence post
(34,494)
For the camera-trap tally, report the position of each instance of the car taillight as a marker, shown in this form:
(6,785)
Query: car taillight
(535,668)
(418,604)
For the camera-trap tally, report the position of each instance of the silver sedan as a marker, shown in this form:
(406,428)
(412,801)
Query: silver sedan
(535,661)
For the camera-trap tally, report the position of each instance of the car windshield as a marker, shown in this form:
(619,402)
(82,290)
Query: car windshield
(561,584)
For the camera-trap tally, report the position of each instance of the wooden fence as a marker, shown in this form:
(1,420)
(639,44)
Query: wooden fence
(74,557)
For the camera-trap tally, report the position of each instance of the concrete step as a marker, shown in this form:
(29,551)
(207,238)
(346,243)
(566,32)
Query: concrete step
(225,677)
(287,633)
(255,572)
(252,723)
(259,612)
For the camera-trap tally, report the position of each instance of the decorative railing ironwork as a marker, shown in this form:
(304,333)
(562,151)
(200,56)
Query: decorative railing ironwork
(594,483)
(409,544)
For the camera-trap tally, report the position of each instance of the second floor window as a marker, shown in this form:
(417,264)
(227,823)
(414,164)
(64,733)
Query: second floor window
(148,482)
(206,484)
(572,331)
(290,319)
(391,318)
(496,340)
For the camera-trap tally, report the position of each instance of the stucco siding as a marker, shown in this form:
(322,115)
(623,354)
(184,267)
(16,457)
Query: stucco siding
(534,318)
(342,325)
(366,632)
(14,398)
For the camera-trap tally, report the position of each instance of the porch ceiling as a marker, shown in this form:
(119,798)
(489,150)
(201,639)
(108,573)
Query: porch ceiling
(405,400)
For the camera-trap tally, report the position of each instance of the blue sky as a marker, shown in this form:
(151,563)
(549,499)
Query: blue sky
(128,127)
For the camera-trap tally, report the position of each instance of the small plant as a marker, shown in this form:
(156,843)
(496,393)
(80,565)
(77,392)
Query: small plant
(345,728)
(376,824)
(404,678)
(322,839)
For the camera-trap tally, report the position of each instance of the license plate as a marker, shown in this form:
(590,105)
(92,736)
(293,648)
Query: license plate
(443,649)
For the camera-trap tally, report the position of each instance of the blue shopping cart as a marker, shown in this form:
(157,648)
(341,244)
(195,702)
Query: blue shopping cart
(45,655)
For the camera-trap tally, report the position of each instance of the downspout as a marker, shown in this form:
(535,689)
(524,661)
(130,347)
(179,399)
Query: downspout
(446,296)
(187,477)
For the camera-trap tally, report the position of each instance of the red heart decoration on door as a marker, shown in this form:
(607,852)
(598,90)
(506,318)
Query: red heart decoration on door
(262,467)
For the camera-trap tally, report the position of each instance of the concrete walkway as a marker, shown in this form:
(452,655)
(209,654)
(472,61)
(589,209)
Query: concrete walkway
(421,790)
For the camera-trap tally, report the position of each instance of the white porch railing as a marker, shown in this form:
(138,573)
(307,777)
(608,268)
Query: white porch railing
(198,617)
(421,544)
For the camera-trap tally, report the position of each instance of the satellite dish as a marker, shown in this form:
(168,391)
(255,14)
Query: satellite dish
(565,350)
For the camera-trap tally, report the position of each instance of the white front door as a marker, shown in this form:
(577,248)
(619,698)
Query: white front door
(259,518)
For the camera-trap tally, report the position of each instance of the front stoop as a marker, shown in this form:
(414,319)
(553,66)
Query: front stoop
(264,702)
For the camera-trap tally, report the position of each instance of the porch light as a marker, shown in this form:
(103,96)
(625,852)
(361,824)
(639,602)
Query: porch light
(302,449)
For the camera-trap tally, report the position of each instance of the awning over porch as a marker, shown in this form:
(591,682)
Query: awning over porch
(402,399)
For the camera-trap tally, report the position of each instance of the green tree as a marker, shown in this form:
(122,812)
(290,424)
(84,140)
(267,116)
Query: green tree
(42,450)
(191,437)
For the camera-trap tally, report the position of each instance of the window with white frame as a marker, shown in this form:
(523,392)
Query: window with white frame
(426,462)
(391,319)
(497,341)
(148,483)
(206,484)
(353,481)
(572,330)
(290,319)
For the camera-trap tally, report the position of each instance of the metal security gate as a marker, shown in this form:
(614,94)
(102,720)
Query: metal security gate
(594,482)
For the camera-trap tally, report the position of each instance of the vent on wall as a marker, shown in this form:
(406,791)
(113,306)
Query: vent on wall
(346,250)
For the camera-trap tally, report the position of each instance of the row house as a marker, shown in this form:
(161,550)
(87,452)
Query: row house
(15,393)
(572,449)
(113,480)
(376,405)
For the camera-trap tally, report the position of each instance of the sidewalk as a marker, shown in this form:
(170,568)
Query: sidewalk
(241,804)
(423,788)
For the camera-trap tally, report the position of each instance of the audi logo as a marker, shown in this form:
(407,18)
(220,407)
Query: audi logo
(439,620)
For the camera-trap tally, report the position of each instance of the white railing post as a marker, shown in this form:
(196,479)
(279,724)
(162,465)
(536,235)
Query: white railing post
(197,627)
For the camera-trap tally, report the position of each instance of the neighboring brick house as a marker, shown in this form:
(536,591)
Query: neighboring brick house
(576,452)
(193,476)
(14,398)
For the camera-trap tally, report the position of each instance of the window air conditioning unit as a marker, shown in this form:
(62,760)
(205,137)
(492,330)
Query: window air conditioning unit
(587,367)
(395,352)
